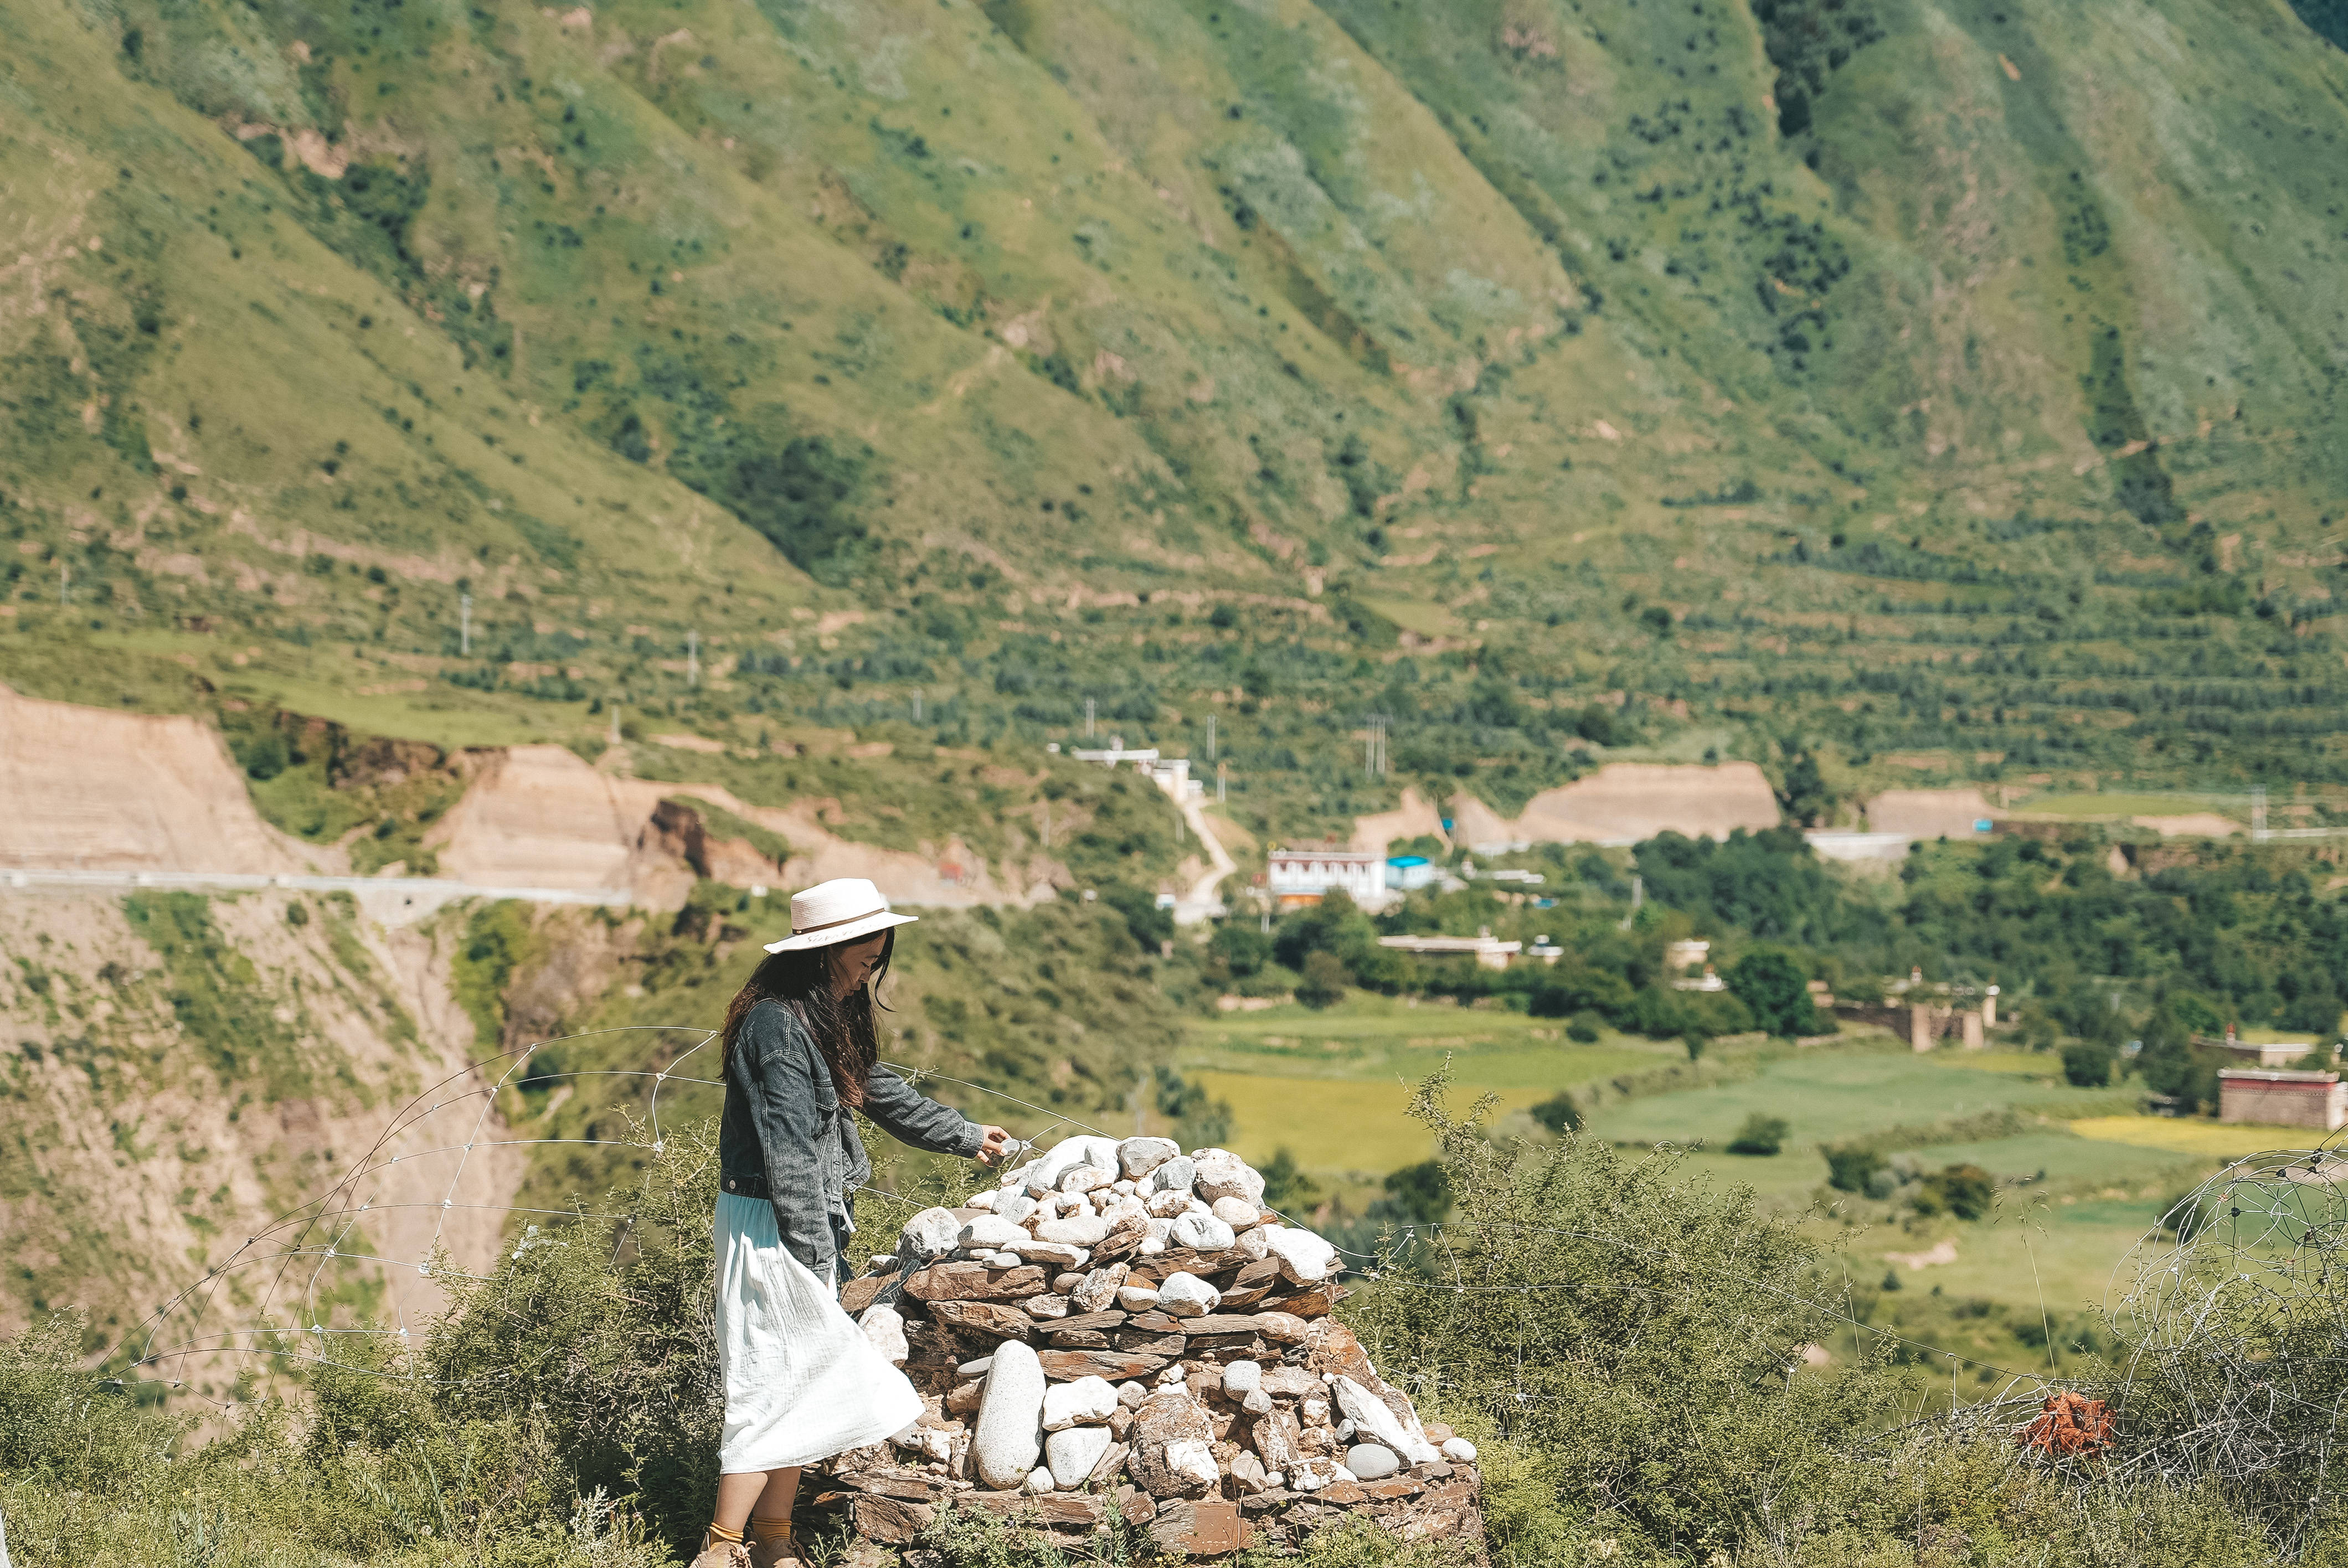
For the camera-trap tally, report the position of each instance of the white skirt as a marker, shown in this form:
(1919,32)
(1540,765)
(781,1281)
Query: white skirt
(802,1382)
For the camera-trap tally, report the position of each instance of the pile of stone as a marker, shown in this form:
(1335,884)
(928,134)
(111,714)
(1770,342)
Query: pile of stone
(1119,1327)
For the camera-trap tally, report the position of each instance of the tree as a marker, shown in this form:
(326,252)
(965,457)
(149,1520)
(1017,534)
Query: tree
(1761,1135)
(1286,1189)
(1775,991)
(1804,795)
(1324,985)
(1422,1192)
(1964,1191)
(1243,949)
(2087,1064)
(1559,1114)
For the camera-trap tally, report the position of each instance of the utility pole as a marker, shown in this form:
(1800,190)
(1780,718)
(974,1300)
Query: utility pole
(465,625)
(1088,718)
(917,704)
(2259,814)
(692,658)
(1210,737)
(1374,746)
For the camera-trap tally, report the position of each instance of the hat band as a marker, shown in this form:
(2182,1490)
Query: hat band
(828,924)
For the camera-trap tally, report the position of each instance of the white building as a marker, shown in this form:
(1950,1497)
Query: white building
(2283,1097)
(1295,877)
(1171,775)
(1484,947)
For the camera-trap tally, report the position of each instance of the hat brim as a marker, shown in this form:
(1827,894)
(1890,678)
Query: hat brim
(832,936)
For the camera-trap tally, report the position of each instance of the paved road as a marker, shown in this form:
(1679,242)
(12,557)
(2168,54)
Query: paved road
(394,900)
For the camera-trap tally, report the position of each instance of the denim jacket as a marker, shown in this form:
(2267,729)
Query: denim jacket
(785,1137)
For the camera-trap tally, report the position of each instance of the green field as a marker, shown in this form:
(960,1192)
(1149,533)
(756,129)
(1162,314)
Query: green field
(2079,1185)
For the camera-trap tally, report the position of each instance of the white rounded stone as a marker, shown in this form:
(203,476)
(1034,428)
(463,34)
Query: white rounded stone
(1039,1482)
(1203,1232)
(1005,1444)
(1152,1246)
(1252,1245)
(1000,1259)
(1459,1451)
(1237,1212)
(1123,1187)
(1137,1297)
(1086,1401)
(1242,1379)
(885,1327)
(1183,1294)
(1035,1250)
(1224,1174)
(1071,1452)
(1137,1157)
(1304,1258)
(1372,1462)
(1082,1230)
(1256,1402)
(1116,1211)
(990,1232)
(1084,1179)
(1172,1376)
(980,1200)
(1130,1393)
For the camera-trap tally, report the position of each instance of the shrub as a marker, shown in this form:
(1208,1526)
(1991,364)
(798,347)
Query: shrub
(1850,1166)
(1761,1135)
(1583,1030)
(1777,992)
(1324,982)
(2087,1064)
(1964,1191)
(1559,1114)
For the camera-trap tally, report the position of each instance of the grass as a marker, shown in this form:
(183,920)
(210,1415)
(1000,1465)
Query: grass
(2192,1135)
(2121,803)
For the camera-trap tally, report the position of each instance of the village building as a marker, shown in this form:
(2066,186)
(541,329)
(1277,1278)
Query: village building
(1485,947)
(1297,879)
(1171,775)
(2258,1053)
(2283,1097)
(1409,872)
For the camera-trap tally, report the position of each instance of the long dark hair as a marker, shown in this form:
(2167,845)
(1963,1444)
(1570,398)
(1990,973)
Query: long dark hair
(841,1027)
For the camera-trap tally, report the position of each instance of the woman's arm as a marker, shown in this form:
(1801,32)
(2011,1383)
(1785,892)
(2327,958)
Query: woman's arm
(778,1073)
(912,1117)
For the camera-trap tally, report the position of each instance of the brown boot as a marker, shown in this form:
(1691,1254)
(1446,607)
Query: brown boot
(717,1553)
(779,1551)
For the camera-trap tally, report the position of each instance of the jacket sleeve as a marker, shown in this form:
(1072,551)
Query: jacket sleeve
(911,1117)
(785,1108)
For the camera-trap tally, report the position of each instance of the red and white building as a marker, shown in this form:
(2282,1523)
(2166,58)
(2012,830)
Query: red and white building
(2283,1097)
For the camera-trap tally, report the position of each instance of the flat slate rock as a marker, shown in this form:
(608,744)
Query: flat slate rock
(887,1520)
(990,1318)
(859,1292)
(1117,1366)
(1060,1509)
(1142,1341)
(1076,1340)
(1156,1322)
(973,1282)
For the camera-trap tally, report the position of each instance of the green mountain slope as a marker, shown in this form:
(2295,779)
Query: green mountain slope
(1868,377)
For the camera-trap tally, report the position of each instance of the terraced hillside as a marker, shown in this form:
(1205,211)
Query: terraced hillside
(1945,390)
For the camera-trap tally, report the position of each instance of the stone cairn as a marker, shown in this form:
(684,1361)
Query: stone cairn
(1122,1327)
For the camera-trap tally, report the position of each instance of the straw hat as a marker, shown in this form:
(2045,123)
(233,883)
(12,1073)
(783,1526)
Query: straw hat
(840,910)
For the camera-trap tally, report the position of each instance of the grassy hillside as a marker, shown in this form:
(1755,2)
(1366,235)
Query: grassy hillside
(1950,390)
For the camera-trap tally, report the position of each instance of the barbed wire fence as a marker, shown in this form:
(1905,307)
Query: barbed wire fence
(2232,1314)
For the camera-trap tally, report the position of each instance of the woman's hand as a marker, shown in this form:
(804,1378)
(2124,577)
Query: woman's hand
(993,1143)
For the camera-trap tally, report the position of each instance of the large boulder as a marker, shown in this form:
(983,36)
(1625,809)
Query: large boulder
(932,1233)
(1167,1417)
(1139,1156)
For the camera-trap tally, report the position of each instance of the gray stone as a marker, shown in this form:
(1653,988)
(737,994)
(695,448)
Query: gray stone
(1085,1179)
(1175,1176)
(1372,1462)
(1248,1472)
(1139,1156)
(1016,1207)
(1071,1452)
(1100,1287)
(1137,1297)
(1045,1173)
(1459,1451)
(1130,1393)
(1181,1295)
(1253,1244)
(999,1259)
(1005,1444)
(1219,1173)
(1256,1402)
(932,1233)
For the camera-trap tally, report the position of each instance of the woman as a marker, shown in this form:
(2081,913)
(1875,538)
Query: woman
(802,1383)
